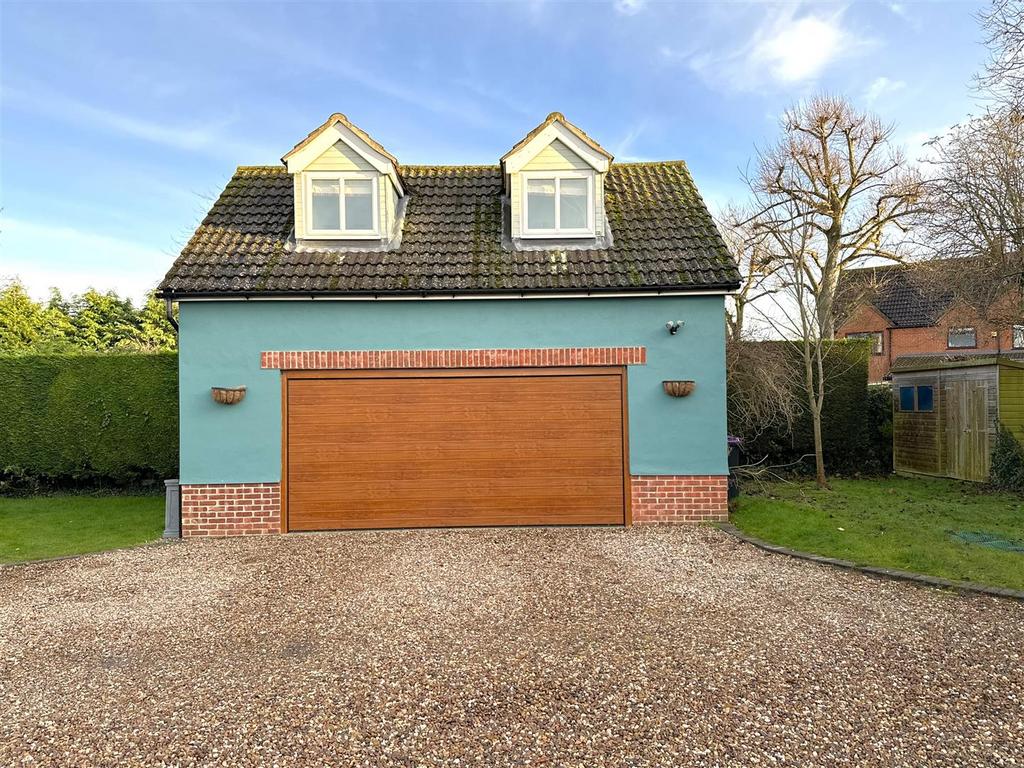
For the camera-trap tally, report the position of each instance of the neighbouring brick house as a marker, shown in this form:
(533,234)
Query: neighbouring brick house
(451,345)
(889,308)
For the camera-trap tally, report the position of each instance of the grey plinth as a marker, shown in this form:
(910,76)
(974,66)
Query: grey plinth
(172,510)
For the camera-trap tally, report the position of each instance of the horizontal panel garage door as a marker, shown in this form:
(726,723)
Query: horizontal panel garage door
(386,451)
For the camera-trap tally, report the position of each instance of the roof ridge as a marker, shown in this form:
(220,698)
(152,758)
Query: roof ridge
(651,162)
(496,166)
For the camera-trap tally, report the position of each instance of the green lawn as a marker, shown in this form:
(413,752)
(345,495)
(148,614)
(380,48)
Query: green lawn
(904,523)
(51,526)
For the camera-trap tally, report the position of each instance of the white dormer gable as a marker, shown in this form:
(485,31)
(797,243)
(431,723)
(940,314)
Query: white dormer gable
(554,179)
(556,128)
(347,186)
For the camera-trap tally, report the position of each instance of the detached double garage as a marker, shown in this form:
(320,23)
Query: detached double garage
(464,447)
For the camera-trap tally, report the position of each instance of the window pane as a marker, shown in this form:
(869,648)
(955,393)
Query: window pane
(906,398)
(540,203)
(1018,337)
(359,204)
(874,337)
(962,337)
(573,204)
(326,213)
(924,398)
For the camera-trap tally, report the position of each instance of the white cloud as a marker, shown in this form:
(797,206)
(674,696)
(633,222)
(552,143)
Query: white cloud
(71,259)
(799,49)
(786,49)
(882,86)
(629,7)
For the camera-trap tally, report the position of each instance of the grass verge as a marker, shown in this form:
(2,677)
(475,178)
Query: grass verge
(51,526)
(905,523)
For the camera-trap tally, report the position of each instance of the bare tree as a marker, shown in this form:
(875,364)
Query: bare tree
(1003,78)
(848,184)
(974,228)
(794,312)
(756,262)
(762,392)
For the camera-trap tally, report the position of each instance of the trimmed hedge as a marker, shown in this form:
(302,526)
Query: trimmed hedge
(879,429)
(81,419)
(854,427)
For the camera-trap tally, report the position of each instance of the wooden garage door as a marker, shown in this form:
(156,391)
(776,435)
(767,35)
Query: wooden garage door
(409,449)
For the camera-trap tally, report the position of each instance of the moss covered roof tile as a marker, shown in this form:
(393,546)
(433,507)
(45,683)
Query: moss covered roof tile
(663,238)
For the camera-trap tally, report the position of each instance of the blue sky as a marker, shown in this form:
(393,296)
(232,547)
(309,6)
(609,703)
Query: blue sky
(120,122)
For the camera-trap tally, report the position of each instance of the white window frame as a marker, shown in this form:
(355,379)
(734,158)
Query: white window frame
(877,339)
(557,176)
(962,330)
(1017,336)
(343,233)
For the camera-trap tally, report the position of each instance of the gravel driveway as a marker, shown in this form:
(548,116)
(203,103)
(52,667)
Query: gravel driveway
(524,647)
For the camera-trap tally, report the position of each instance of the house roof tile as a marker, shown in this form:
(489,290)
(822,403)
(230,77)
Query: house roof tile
(894,292)
(452,241)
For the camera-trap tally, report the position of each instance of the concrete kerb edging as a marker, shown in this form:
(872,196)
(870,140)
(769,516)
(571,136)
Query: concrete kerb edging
(870,570)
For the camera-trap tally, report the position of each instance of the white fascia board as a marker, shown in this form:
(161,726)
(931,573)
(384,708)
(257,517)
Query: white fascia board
(465,296)
(328,138)
(594,159)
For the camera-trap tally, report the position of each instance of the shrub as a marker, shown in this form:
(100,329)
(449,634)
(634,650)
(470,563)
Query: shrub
(846,430)
(81,419)
(1007,462)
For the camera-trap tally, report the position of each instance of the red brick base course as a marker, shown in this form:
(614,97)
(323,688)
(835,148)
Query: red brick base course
(365,359)
(228,509)
(679,498)
(225,509)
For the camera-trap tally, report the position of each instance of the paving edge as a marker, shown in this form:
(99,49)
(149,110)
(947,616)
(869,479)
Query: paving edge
(871,570)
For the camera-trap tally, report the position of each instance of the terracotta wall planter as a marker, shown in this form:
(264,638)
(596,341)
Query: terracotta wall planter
(678,388)
(227,395)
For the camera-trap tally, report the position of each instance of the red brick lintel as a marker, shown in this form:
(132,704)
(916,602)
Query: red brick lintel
(364,359)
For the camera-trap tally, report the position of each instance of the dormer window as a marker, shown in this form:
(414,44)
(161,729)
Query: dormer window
(347,187)
(342,205)
(558,204)
(554,179)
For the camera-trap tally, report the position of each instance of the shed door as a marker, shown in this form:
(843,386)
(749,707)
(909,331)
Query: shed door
(967,448)
(401,449)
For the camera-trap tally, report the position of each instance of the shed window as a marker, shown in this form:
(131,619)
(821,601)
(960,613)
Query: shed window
(906,398)
(920,398)
(961,338)
(874,336)
(559,204)
(924,398)
(1018,337)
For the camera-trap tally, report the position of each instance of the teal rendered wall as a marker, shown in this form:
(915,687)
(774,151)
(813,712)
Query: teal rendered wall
(220,345)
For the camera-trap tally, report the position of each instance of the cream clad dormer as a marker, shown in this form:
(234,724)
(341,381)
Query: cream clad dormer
(347,188)
(554,179)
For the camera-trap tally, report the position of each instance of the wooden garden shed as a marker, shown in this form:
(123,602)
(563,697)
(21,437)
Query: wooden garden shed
(947,409)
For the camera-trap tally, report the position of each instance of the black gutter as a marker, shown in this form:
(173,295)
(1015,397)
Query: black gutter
(174,296)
